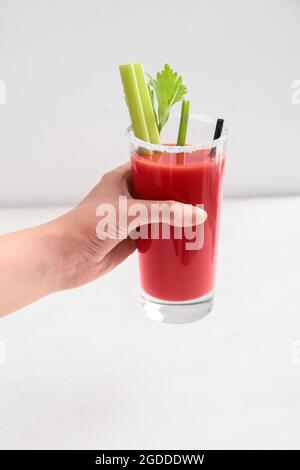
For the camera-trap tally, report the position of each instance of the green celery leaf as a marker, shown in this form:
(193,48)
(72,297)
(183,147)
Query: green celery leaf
(168,89)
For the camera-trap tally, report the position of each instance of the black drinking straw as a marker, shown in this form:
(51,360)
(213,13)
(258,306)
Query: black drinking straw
(218,132)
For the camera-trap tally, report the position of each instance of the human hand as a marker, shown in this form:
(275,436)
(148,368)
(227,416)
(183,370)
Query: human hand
(76,248)
(84,253)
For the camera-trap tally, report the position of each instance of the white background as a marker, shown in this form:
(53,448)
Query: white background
(85,368)
(64,120)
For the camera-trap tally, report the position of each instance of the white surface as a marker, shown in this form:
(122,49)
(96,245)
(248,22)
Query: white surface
(59,60)
(86,369)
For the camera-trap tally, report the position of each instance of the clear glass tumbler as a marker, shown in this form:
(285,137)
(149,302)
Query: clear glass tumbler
(178,272)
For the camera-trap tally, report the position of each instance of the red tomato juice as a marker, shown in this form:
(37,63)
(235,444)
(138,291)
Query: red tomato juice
(168,270)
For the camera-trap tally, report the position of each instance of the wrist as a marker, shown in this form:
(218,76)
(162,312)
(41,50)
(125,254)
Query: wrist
(65,260)
(52,240)
(47,255)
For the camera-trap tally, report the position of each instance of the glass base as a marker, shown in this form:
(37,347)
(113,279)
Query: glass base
(177,312)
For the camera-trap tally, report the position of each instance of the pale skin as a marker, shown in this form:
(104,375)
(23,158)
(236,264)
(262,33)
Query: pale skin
(66,253)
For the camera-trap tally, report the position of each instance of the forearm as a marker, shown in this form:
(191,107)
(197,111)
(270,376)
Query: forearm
(30,263)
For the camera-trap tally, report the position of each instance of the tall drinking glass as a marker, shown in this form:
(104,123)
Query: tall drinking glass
(178,273)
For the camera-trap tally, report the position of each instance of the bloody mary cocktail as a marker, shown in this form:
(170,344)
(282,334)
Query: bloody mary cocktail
(172,273)
(169,270)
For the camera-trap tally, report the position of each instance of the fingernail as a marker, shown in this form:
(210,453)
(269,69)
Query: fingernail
(200,215)
(194,215)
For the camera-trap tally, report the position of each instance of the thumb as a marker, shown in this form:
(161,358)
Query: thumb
(174,213)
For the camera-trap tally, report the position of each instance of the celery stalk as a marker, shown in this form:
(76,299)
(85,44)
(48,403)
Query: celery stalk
(184,117)
(134,102)
(146,104)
